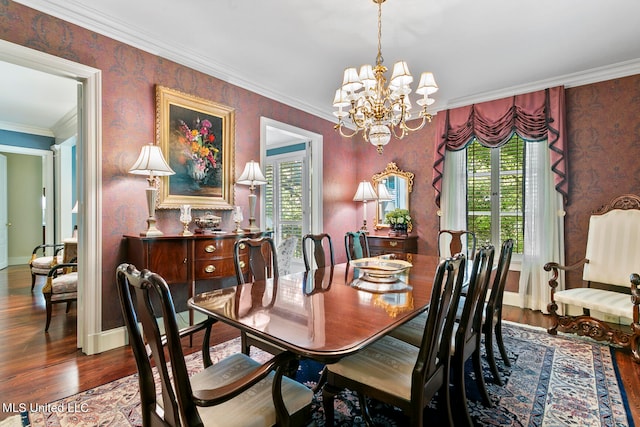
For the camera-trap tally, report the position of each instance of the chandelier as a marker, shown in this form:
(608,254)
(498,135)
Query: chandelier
(377,110)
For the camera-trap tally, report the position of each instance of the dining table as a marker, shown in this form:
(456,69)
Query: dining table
(326,313)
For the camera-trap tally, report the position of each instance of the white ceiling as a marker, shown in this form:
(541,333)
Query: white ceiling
(32,101)
(295,52)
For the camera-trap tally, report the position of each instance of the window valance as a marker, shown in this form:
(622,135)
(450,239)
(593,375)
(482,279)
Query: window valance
(536,116)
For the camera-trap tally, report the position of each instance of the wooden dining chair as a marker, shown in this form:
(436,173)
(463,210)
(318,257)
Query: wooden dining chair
(235,391)
(418,372)
(450,242)
(356,245)
(466,339)
(320,245)
(492,322)
(467,336)
(262,265)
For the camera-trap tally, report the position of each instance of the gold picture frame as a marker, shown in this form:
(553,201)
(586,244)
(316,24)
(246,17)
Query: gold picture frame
(197,137)
(399,185)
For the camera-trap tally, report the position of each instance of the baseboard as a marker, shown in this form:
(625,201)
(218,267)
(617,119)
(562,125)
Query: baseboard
(118,337)
(106,340)
(21,260)
(511,298)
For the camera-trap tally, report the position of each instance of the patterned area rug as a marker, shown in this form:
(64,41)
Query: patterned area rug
(552,381)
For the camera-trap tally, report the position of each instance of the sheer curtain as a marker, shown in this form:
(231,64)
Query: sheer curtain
(543,228)
(453,204)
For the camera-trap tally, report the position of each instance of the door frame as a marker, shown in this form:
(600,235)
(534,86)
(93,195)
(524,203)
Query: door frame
(314,158)
(47,178)
(89,152)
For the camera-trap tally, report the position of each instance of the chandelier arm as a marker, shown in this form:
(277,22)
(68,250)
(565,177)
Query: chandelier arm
(394,131)
(425,119)
(339,128)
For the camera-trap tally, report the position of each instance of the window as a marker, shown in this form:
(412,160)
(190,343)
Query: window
(495,192)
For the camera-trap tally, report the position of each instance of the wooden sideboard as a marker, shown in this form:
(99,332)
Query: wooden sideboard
(380,244)
(205,260)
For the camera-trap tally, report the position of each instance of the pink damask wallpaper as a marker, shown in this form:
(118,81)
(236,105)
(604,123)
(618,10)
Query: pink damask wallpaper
(129,76)
(603,125)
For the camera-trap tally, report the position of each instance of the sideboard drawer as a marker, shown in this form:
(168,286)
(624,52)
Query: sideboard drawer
(380,244)
(214,248)
(214,268)
(394,244)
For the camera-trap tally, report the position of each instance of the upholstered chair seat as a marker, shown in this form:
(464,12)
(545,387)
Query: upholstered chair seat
(253,407)
(386,365)
(64,286)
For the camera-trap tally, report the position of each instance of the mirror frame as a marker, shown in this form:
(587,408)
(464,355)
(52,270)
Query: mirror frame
(391,170)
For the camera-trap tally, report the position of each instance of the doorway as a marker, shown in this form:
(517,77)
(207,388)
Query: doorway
(89,147)
(293,154)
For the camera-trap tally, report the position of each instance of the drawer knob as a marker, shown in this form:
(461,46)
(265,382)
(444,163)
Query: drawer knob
(393,243)
(242,246)
(209,248)
(210,268)
(242,264)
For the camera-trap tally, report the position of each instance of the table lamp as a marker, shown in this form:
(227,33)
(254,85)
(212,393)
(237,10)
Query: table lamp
(364,194)
(151,162)
(252,176)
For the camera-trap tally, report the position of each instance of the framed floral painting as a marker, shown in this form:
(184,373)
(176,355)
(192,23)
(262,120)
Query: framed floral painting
(197,139)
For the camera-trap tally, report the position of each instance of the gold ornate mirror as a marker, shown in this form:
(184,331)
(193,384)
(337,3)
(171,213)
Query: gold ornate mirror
(394,187)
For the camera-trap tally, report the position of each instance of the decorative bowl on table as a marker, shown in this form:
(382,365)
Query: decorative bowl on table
(382,273)
(208,223)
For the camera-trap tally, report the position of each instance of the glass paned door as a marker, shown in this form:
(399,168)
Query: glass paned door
(286,199)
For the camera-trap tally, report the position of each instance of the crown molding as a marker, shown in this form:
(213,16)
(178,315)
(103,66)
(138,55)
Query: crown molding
(594,75)
(81,14)
(31,130)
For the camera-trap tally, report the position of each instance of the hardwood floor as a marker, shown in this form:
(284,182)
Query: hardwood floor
(39,367)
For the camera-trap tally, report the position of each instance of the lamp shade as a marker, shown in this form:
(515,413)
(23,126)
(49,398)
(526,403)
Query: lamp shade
(365,192)
(252,175)
(383,193)
(151,162)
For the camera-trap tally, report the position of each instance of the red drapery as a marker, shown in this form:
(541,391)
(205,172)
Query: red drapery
(536,116)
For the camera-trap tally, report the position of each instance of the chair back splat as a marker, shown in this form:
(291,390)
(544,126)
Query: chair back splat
(262,259)
(321,244)
(235,385)
(450,242)
(356,245)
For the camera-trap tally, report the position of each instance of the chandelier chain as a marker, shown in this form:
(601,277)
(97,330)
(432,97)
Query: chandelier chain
(379,58)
